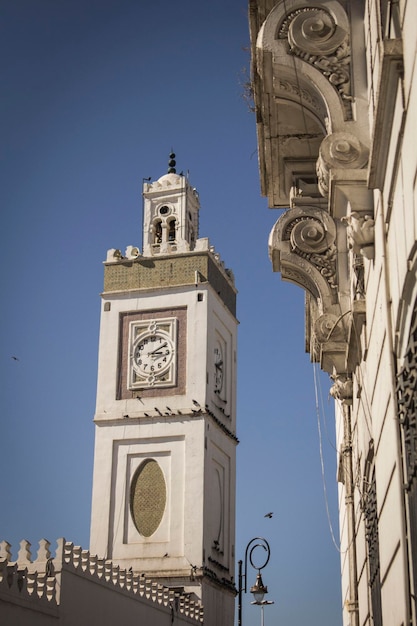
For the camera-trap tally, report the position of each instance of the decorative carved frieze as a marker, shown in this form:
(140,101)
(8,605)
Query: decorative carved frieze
(322,39)
(361,233)
(292,89)
(342,389)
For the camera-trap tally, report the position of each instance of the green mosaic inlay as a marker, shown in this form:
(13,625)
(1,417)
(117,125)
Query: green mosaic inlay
(172,271)
(148,497)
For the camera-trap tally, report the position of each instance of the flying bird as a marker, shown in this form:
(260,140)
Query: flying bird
(15,358)
(269,514)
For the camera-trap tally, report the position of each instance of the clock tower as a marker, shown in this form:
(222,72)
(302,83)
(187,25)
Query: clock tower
(165,445)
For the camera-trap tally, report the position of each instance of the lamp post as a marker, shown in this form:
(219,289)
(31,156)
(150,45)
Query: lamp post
(262,604)
(258,589)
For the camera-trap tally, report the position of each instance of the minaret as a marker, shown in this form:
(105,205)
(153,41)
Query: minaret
(165,451)
(171,209)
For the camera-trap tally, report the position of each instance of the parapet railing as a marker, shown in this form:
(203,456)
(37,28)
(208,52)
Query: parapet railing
(38,578)
(25,579)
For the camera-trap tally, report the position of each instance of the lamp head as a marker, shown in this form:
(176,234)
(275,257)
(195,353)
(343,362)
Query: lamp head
(259,589)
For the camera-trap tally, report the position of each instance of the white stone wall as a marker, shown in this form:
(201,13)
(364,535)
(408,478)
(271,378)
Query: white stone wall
(174,438)
(390,280)
(76,588)
(188,428)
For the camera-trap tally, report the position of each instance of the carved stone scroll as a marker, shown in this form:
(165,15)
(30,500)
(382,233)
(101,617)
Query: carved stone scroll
(339,151)
(321,38)
(302,248)
(328,328)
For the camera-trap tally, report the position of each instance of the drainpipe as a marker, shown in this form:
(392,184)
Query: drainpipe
(350,513)
(342,391)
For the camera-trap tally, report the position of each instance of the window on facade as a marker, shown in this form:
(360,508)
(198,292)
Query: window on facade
(390,19)
(407,409)
(372,540)
(172,230)
(157,232)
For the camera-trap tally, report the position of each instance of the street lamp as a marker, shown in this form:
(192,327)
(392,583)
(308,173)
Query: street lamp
(258,589)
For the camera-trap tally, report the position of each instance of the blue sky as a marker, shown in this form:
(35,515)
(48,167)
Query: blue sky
(95,94)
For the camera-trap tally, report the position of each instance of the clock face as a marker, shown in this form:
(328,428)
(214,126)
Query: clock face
(218,369)
(153,353)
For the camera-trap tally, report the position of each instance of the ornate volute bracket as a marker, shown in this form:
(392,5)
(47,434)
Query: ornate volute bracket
(320,37)
(302,246)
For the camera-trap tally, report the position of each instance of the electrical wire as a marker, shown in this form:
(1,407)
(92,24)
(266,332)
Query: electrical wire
(358,510)
(323,473)
(320,388)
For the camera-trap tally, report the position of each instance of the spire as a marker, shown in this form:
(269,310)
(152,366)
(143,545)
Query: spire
(171,164)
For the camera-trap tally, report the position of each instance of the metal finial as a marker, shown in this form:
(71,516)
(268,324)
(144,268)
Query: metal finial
(171,164)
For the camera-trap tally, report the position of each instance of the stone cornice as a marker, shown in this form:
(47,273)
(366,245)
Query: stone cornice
(309,124)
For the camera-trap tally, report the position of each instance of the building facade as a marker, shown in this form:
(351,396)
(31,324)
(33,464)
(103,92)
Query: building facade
(335,98)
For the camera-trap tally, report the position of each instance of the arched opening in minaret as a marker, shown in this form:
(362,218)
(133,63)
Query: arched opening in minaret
(157,231)
(172,230)
(190,228)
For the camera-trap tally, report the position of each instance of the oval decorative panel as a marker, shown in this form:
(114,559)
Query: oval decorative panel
(148,497)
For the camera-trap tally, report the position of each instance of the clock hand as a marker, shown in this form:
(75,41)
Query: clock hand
(158,348)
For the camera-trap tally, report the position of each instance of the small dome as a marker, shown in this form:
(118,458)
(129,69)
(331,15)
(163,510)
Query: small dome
(169,179)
